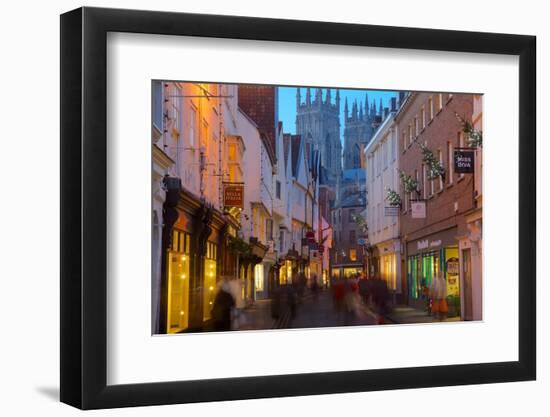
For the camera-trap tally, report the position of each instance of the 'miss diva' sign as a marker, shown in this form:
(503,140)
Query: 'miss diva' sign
(464,161)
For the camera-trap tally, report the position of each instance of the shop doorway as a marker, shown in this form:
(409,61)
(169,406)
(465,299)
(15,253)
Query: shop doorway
(467,270)
(178,282)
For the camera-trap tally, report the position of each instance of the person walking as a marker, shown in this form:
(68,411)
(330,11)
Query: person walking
(438,294)
(315,288)
(222,307)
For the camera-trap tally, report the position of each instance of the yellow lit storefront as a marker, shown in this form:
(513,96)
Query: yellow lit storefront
(388,270)
(209,289)
(259,277)
(178,282)
(325,278)
(351,272)
(285,273)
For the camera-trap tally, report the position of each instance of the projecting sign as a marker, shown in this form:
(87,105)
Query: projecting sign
(418,209)
(233,195)
(464,161)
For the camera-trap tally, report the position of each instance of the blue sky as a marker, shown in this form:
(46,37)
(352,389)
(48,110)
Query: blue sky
(287,103)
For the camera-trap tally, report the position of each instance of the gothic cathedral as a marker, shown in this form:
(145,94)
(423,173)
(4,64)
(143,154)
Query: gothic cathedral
(358,131)
(318,121)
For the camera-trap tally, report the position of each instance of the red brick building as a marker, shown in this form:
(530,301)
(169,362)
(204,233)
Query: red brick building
(430,241)
(260,102)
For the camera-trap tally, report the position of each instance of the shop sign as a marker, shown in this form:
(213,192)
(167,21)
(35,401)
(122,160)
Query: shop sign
(418,209)
(310,236)
(426,244)
(464,161)
(452,266)
(362,241)
(233,195)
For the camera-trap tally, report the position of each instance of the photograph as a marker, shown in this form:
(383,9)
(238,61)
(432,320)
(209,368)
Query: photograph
(296,207)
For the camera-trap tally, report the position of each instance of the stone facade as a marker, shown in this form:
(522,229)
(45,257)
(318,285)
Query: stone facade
(318,122)
(360,125)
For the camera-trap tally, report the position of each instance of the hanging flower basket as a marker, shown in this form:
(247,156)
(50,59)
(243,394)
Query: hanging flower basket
(474,138)
(433,166)
(393,197)
(409,183)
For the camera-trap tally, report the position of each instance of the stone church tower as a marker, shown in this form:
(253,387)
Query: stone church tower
(359,128)
(318,121)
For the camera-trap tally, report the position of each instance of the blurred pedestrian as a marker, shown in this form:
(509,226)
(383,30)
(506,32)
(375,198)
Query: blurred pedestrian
(291,299)
(363,284)
(222,307)
(237,312)
(438,294)
(379,296)
(276,303)
(425,294)
(338,293)
(315,288)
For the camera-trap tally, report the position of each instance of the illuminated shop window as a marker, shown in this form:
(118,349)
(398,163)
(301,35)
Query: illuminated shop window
(178,282)
(209,287)
(259,277)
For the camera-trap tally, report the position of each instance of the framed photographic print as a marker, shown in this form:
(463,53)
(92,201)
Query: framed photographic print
(259,208)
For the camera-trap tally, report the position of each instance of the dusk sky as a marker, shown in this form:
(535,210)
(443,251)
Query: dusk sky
(287,103)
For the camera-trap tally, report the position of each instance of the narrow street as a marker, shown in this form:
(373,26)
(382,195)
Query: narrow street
(314,312)
(311,312)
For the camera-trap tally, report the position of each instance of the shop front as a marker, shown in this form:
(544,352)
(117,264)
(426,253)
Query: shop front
(262,272)
(289,265)
(426,258)
(388,264)
(471,266)
(346,270)
(194,242)
(178,281)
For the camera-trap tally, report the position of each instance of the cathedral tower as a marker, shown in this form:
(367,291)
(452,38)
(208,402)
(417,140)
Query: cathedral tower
(318,121)
(359,127)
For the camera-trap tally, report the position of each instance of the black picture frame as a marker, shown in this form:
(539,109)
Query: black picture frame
(84,207)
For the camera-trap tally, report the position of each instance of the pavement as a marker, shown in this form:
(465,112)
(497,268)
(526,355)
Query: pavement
(403,314)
